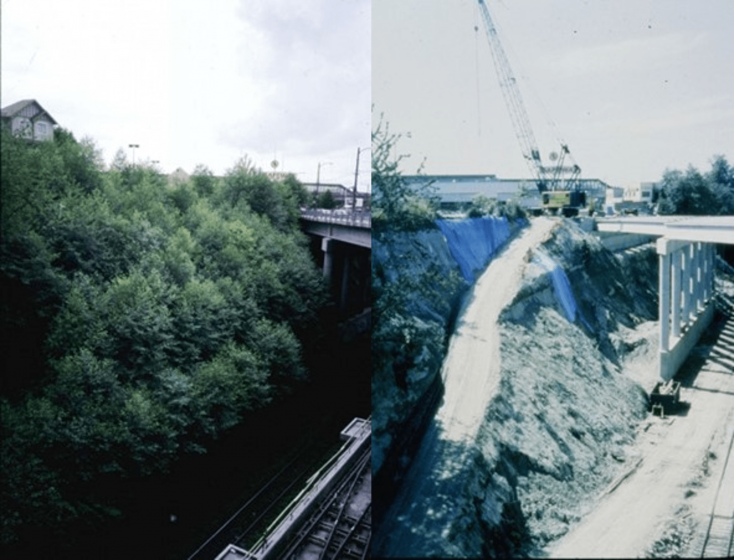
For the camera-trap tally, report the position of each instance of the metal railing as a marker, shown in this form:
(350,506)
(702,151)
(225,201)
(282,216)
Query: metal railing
(361,219)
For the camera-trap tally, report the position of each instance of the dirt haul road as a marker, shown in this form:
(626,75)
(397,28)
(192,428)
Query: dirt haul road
(674,475)
(420,518)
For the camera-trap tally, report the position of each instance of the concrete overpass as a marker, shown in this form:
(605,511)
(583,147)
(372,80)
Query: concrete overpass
(685,245)
(342,243)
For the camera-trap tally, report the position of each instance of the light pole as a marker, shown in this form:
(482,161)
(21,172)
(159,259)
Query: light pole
(356,175)
(133,146)
(318,178)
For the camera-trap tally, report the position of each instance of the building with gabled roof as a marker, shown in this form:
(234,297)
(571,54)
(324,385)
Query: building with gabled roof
(27,118)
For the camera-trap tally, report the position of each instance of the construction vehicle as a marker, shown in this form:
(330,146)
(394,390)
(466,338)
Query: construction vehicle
(665,397)
(558,183)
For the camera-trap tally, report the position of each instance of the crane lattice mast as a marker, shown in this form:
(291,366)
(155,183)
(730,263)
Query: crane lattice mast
(546,178)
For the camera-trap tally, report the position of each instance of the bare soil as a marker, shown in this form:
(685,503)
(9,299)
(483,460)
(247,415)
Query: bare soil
(659,506)
(428,503)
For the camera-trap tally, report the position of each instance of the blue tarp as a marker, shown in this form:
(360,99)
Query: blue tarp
(561,285)
(474,241)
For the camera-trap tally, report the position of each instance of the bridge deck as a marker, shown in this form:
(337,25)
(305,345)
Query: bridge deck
(705,229)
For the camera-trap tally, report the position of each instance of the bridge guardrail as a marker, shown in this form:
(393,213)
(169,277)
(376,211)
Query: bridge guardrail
(342,217)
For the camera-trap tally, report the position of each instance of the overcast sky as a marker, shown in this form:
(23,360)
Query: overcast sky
(632,86)
(197,81)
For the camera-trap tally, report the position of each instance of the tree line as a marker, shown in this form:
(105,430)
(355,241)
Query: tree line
(696,193)
(140,319)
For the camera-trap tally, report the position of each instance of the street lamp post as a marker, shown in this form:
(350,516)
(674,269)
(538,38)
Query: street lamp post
(133,146)
(356,175)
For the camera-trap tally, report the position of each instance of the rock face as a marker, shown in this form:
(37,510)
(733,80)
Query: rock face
(417,285)
(555,430)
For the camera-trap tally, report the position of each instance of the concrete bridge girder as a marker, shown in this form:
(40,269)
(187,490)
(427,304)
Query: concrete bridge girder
(362,237)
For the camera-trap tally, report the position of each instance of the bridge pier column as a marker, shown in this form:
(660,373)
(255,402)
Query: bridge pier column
(327,246)
(676,291)
(664,301)
(687,277)
(699,277)
(344,295)
(705,271)
(686,307)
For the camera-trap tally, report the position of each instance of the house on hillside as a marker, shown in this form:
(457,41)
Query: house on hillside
(28,119)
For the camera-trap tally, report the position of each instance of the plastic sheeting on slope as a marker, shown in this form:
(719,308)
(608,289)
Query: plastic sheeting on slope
(561,285)
(474,241)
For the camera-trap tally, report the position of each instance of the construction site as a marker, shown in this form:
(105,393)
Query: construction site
(536,430)
(557,385)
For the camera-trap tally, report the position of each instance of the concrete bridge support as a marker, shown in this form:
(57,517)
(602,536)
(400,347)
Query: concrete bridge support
(347,270)
(686,299)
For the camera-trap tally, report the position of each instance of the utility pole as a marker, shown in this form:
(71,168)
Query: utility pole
(133,146)
(356,176)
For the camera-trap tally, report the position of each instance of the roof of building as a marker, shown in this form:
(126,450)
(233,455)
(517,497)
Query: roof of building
(327,186)
(11,110)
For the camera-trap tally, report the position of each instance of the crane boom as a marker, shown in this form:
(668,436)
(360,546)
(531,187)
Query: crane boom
(547,178)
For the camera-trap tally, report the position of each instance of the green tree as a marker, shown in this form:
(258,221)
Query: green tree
(83,160)
(394,201)
(232,383)
(148,318)
(296,190)
(695,193)
(326,200)
(204,180)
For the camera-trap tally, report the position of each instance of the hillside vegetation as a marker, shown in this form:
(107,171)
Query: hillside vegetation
(140,320)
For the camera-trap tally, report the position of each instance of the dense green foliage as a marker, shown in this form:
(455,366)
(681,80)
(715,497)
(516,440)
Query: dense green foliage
(396,204)
(325,200)
(695,193)
(139,320)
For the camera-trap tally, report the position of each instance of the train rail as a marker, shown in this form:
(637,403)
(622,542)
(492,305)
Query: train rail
(719,537)
(342,526)
(240,526)
(329,518)
(717,541)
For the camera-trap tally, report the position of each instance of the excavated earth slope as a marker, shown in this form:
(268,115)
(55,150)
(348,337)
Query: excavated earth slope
(536,419)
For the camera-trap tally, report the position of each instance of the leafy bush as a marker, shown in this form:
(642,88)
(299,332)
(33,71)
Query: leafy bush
(148,319)
(396,205)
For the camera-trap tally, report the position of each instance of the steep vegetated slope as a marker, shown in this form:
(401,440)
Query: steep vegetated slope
(141,321)
(555,431)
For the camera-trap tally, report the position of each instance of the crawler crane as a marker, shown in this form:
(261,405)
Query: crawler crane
(557,184)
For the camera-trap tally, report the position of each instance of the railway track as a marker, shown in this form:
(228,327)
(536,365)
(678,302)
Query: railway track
(718,540)
(241,527)
(341,527)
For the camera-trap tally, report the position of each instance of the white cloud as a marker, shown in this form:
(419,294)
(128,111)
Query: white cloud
(627,55)
(194,82)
